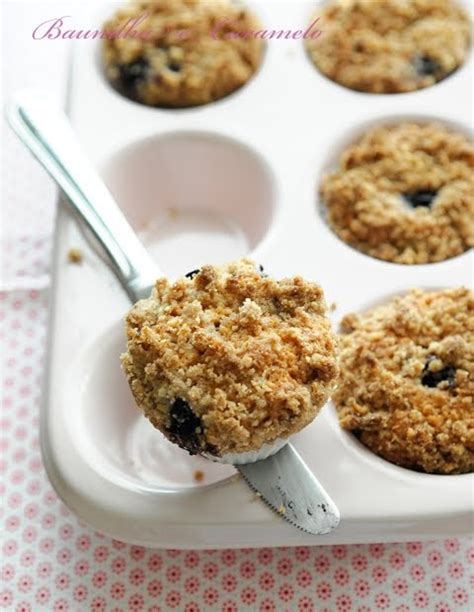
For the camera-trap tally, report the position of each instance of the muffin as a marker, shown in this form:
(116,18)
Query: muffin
(404,193)
(229,363)
(392,46)
(186,52)
(406,386)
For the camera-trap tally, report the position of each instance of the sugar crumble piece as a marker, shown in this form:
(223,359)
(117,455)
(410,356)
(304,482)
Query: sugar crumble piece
(198,475)
(75,256)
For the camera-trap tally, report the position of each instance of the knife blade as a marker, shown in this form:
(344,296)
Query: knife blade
(283,480)
(286,484)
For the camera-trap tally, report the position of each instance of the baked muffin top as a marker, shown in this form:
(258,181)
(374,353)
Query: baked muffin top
(190,52)
(390,46)
(230,359)
(404,193)
(406,385)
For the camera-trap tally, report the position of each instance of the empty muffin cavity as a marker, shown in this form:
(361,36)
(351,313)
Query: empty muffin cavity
(194,197)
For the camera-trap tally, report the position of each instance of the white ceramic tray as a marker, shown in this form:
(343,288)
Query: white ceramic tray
(204,185)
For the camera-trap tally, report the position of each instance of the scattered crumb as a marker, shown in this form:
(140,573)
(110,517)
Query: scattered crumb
(332,306)
(281,510)
(173,213)
(75,256)
(198,475)
(257,495)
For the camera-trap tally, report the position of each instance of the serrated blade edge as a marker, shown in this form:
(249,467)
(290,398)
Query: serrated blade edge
(291,490)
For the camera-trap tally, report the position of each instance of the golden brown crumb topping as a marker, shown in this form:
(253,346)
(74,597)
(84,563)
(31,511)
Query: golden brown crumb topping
(198,475)
(390,46)
(404,193)
(75,256)
(406,385)
(230,359)
(190,52)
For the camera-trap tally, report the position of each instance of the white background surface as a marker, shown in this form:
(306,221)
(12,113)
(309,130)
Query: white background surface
(53,562)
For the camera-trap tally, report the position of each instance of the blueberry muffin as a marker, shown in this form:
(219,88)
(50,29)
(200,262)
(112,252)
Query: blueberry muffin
(186,52)
(406,386)
(227,362)
(404,193)
(390,46)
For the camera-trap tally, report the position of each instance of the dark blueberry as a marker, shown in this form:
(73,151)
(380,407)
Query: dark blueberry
(425,65)
(423,197)
(184,427)
(263,274)
(192,274)
(433,379)
(174,67)
(132,74)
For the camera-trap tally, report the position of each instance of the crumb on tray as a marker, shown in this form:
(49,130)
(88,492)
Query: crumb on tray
(198,475)
(75,256)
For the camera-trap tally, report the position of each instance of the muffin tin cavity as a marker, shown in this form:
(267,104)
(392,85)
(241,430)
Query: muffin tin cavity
(183,54)
(406,384)
(193,197)
(114,435)
(390,47)
(402,191)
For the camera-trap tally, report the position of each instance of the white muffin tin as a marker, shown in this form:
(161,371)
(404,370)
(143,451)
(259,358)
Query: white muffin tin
(209,184)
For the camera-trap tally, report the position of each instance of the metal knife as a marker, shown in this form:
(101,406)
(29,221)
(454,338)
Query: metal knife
(283,481)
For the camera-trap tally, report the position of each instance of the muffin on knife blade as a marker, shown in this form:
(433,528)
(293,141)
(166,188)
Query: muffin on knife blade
(229,363)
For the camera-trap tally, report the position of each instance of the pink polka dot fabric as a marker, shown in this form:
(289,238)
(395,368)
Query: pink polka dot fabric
(51,561)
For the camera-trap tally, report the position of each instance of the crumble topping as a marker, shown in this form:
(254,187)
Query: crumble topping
(226,359)
(390,46)
(187,55)
(404,193)
(406,386)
